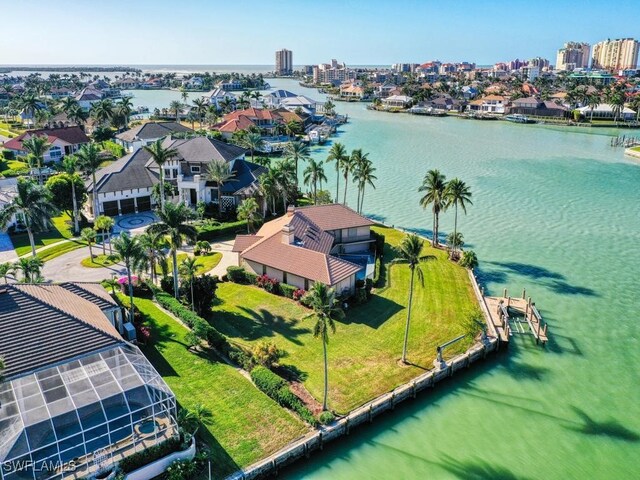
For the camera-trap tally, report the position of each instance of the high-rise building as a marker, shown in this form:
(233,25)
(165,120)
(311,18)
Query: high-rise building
(573,55)
(539,62)
(618,54)
(330,72)
(284,62)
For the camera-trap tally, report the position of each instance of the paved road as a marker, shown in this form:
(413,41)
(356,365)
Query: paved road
(228,257)
(67,268)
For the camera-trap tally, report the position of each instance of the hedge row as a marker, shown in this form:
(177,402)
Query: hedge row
(197,324)
(240,275)
(210,232)
(148,455)
(278,389)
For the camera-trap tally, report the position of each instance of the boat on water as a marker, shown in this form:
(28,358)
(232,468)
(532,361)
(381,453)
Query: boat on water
(519,118)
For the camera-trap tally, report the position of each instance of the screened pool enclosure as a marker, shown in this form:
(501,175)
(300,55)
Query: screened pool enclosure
(80,418)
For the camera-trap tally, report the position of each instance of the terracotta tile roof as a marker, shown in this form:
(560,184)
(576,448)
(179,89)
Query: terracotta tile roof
(41,325)
(236,124)
(334,216)
(71,135)
(258,113)
(242,242)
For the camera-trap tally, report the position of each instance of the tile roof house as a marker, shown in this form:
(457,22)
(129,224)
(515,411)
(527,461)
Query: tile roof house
(324,243)
(535,106)
(489,104)
(73,388)
(147,133)
(126,185)
(63,141)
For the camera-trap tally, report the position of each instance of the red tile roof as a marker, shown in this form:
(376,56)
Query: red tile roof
(72,135)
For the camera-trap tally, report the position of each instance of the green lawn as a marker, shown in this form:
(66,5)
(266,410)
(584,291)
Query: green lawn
(99,261)
(62,229)
(635,149)
(12,164)
(364,353)
(246,425)
(61,249)
(208,262)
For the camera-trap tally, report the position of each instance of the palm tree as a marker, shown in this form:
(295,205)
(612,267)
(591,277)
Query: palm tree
(248,210)
(326,309)
(329,108)
(161,155)
(363,175)
(102,111)
(313,174)
(200,107)
(226,104)
(30,268)
(220,172)
(68,104)
(434,185)
(30,105)
(153,245)
(184,95)
(104,224)
(455,241)
(592,102)
(78,115)
(269,185)
(348,165)
(37,146)
(175,106)
(131,253)
(89,161)
(173,223)
(291,128)
(253,141)
(338,154)
(457,194)
(6,269)
(284,171)
(297,152)
(70,167)
(33,203)
(88,234)
(189,269)
(125,107)
(409,252)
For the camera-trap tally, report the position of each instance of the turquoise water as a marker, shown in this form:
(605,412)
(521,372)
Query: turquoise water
(555,211)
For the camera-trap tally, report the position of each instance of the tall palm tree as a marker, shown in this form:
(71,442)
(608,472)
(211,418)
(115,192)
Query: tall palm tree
(434,186)
(253,141)
(270,188)
(284,171)
(30,268)
(313,174)
(78,115)
(297,152)
(102,111)
(189,269)
(348,165)
(153,245)
(409,252)
(37,146)
(338,154)
(34,204)
(200,107)
(30,104)
(88,234)
(363,174)
(67,104)
(131,252)
(104,224)
(69,166)
(89,161)
(6,269)
(457,194)
(173,223)
(125,107)
(593,101)
(326,309)
(161,155)
(220,172)
(176,107)
(248,210)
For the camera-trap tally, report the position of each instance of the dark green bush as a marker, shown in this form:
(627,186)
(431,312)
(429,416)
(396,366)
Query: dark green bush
(278,389)
(9,154)
(287,290)
(151,454)
(326,418)
(241,358)
(211,232)
(240,275)
(379,238)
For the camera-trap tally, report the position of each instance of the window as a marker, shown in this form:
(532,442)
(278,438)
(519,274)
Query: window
(264,269)
(55,152)
(195,168)
(167,172)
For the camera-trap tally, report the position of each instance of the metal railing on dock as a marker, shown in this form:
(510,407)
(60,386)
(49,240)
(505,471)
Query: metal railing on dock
(499,308)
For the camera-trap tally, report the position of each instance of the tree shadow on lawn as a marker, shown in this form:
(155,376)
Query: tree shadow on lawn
(257,324)
(373,313)
(221,462)
(160,335)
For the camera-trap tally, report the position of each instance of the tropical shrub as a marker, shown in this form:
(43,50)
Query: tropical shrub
(267,283)
(148,455)
(326,417)
(287,290)
(379,242)
(204,292)
(240,275)
(211,232)
(299,294)
(266,354)
(241,358)
(469,259)
(182,470)
(8,154)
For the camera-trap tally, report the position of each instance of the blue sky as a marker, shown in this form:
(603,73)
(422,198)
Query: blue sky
(357,32)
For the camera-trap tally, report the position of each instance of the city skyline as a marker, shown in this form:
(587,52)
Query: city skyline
(465,31)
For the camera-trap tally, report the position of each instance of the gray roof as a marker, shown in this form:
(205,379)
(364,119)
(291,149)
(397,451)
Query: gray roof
(245,179)
(152,131)
(41,325)
(126,174)
(203,150)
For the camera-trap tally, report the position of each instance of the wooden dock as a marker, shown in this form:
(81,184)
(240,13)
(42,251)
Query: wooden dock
(511,316)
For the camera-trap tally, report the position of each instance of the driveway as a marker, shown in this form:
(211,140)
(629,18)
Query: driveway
(134,223)
(229,258)
(67,268)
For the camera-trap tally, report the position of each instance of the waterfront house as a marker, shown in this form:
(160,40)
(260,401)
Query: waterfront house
(397,101)
(536,106)
(273,99)
(74,390)
(87,97)
(489,104)
(127,83)
(63,141)
(147,133)
(351,91)
(605,111)
(231,86)
(126,185)
(324,243)
(217,96)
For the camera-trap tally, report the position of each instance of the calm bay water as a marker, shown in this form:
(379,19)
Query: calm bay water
(556,211)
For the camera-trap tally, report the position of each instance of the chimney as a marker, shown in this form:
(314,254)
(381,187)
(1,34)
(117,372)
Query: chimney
(290,210)
(288,234)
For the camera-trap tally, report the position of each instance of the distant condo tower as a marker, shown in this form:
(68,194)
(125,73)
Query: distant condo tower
(284,62)
(619,54)
(573,55)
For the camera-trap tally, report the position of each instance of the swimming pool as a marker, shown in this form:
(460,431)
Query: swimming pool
(366,261)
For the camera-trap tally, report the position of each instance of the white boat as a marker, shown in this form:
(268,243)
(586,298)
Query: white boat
(519,118)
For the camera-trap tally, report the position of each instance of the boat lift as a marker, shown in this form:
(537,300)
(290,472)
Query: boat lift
(439,362)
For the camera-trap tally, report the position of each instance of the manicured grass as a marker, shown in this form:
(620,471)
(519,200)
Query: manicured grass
(62,228)
(99,261)
(12,164)
(246,425)
(208,262)
(364,352)
(57,250)
(635,149)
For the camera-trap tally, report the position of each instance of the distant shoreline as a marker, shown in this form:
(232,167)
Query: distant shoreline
(74,68)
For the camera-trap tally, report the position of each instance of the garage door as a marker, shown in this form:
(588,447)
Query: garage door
(127,206)
(144,204)
(110,208)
